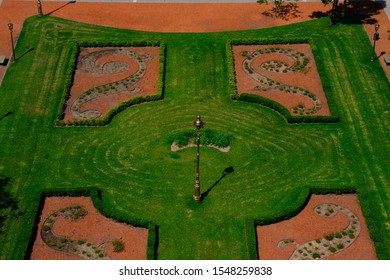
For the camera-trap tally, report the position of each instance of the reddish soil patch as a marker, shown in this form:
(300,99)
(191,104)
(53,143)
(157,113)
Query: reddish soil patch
(307,226)
(85,80)
(93,228)
(308,79)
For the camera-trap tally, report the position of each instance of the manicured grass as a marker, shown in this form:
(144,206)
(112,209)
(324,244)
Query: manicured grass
(275,164)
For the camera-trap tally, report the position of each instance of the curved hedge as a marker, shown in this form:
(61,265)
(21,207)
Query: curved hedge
(69,76)
(303,199)
(251,240)
(253,98)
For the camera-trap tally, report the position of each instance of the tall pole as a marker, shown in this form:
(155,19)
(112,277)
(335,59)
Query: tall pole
(11,27)
(198,126)
(375,38)
(39,7)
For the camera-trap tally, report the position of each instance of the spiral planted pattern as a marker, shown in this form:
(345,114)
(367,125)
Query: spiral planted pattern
(80,248)
(330,244)
(88,63)
(266,83)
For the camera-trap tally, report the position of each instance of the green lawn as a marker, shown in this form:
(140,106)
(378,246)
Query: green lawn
(275,164)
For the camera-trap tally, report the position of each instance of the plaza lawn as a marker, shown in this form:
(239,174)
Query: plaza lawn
(275,164)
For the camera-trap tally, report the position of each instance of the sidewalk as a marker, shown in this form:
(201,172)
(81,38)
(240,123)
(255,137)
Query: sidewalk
(173,17)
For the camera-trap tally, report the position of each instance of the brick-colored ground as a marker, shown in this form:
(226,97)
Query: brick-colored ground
(307,226)
(172,17)
(93,228)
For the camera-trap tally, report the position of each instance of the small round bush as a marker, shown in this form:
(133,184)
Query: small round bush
(316,256)
(46,228)
(329,237)
(332,249)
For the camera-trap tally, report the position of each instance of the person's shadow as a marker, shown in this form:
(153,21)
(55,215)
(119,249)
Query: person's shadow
(227,171)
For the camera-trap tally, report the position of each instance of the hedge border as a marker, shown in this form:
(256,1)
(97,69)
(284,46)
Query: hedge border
(103,206)
(305,196)
(252,98)
(70,72)
(251,240)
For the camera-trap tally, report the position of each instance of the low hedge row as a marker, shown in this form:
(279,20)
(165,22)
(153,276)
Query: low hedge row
(251,240)
(116,44)
(107,209)
(252,98)
(377,229)
(69,76)
(270,41)
(303,199)
(102,204)
(151,252)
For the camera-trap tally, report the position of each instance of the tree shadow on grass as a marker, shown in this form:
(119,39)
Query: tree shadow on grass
(7,201)
(227,171)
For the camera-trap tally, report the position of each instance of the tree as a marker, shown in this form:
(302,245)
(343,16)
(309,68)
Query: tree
(333,11)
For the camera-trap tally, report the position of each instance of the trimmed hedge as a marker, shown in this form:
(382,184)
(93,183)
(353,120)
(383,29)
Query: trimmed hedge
(251,240)
(376,229)
(69,76)
(105,207)
(151,252)
(252,98)
(101,204)
(305,196)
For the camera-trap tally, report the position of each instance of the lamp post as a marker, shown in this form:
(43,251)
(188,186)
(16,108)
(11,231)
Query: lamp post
(198,126)
(376,38)
(11,27)
(39,7)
